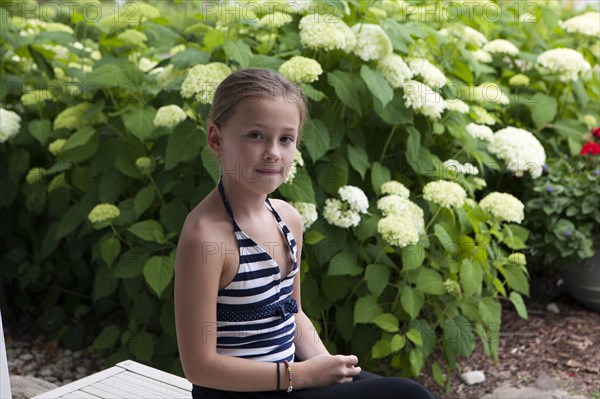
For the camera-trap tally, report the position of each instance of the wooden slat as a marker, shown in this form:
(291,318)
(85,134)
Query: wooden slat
(128,380)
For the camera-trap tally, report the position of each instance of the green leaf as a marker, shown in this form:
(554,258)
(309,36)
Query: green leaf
(382,348)
(173,214)
(379,175)
(430,282)
(377,277)
(184,144)
(300,189)
(344,263)
(131,264)
(312,93)
(416,361)
(516,279)
(316,138)
(141,346)
(445,239)
(104,284)
(189,58)
(387,322)
(158,273)
(458,335)
(415,336)
(109,250)
(41,130)
(367,227)
(149,230)
(238,51)
(312,237)
(377,85)
(394,113)
(490,312)
(436,372)
(412,301)
(332,173)
(107,338)
(143,200)
(345,89)
(366,309)
(543,109)
(79,138)
(140,121)
(398,342)
(471,277)
(413,146)
(517,301)
(412,257)
(359,160)
(107,75)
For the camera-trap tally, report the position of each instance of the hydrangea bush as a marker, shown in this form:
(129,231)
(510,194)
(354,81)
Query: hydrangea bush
(411,242)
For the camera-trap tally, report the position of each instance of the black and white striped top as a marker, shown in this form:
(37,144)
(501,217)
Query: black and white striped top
(255,312)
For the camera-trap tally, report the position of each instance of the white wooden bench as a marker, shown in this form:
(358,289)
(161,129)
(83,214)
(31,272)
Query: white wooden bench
(127,379)
(4,379)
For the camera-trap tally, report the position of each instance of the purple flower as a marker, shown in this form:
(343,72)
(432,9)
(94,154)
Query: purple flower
(597,172)
(568,233)
(566,156)
(545,167)
(549,189)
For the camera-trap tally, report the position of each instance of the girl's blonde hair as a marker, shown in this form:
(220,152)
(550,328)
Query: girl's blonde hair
(252,84)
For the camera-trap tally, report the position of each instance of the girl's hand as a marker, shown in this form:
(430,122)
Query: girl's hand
(325,370)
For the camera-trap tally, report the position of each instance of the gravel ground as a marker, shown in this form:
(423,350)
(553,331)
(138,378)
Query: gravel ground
(40,357)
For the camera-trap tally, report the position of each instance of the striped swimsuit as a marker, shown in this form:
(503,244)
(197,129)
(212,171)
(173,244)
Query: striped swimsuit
(255,312)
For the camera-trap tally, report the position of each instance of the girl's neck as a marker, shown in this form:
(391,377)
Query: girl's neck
(244,203)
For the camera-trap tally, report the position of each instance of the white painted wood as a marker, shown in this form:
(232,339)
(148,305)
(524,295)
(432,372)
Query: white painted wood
(127,379)
(4,379)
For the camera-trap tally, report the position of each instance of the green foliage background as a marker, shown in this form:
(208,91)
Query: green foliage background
(111,286)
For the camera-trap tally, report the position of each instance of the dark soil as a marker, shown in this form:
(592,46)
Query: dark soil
(564,347)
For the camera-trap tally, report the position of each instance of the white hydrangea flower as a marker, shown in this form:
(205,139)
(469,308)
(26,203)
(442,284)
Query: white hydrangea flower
(275,20)
(457,106)
(177,49)
(10,124)
(298,161)
(308,213)
(473,36)
(445,193)
(355,197)
(482,116)
(463,169)
(146,64)
(169,116)
(372,43)
(394,70)
(36,96)
(431,75)
(395,187)
(398,230)
(487,92)
(203,80)
(339,214)
(480,132)
(567,63)
(587,24)
(482,56)
(300,69)
(326,32)
(503,206)
(423,99)
(520,149)
(500,46)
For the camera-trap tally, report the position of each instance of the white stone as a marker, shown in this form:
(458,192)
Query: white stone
(473,377)
(26,357)
(552,307)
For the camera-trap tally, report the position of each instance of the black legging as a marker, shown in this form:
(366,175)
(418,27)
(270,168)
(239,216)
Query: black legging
(364,385)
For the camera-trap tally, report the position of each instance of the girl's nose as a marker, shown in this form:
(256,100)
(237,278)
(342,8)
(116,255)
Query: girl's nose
(272,151)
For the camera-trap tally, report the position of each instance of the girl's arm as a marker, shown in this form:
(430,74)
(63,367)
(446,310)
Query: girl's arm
(307,341)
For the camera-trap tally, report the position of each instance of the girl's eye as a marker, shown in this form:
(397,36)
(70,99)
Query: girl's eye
(287,139)
(254,135)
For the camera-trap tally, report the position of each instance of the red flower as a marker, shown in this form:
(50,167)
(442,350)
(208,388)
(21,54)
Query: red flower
(591,148)
(596,132)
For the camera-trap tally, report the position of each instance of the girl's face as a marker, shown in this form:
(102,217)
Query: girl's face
(257,144)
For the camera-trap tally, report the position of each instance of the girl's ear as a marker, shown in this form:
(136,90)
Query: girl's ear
(214,139)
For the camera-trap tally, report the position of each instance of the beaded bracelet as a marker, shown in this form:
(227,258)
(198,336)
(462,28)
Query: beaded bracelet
(289,370)
(278,383)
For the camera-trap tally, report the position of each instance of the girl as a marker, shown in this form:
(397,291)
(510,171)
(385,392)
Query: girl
(240,325)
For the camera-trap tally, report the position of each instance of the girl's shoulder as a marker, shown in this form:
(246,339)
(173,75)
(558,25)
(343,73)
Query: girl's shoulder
(288,213)
(207,219)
